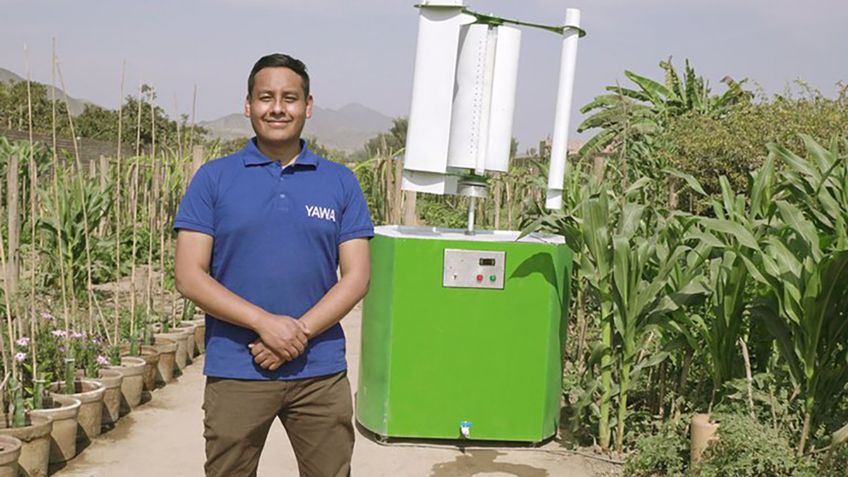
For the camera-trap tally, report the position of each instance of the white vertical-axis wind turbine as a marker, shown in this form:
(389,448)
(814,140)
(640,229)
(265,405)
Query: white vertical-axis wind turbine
(463,98)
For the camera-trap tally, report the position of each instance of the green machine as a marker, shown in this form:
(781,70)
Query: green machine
(462,335)
(463,330)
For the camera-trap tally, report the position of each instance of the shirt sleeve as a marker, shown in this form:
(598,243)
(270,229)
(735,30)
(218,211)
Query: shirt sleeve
(356,220)
(197,209)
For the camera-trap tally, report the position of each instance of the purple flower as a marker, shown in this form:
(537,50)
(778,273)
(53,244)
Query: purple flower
(23,341)
(101,360)
(58,333)
(20,357)
(47,316)
(75,335)
(61,349)
(94,340)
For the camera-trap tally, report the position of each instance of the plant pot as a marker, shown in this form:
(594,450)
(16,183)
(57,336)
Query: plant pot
(63,437)
(703,431)
(181,338)
(10,450)
(111,381)
(188,327)
(150,355)
(199,334)
(34,459)
(133,371)
(90,393)
(167,359)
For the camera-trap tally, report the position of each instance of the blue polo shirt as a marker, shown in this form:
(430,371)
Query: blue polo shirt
(276,241)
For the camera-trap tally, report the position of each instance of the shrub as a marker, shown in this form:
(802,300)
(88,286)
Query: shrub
(747,448)
(663,454)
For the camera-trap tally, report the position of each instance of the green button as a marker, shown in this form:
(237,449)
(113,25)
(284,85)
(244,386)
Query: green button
(492,278)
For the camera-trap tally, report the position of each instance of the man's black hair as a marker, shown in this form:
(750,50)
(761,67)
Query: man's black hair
(279,60)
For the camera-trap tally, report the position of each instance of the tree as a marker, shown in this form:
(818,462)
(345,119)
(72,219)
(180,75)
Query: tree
(631,122)
(14,112)
(100,123)
(390,142)
(735,144)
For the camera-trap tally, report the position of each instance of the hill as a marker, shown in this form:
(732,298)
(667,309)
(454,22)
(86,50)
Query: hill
(346,129)
(75,106)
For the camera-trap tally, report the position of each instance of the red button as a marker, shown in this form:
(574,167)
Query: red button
(479,278)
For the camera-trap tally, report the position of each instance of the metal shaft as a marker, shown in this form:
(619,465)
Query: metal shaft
(470,229)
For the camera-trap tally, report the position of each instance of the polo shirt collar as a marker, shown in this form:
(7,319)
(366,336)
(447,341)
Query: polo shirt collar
(252,156)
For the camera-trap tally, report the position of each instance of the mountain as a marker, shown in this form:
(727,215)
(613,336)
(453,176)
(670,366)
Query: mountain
(75,106)
(346,129)
(6,75)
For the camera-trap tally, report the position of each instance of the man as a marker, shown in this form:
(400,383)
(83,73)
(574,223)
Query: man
(260,236)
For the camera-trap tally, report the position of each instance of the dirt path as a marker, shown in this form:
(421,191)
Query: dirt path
(164,438)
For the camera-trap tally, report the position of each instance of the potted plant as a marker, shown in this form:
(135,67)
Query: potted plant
(10,451)
(33,431)
(47,356)
(88,357)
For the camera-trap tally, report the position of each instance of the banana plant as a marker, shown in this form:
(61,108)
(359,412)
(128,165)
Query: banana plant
(635,117)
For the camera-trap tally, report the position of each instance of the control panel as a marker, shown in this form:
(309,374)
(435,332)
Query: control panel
(473,269)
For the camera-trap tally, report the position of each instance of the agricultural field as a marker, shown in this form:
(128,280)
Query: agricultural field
(709,288)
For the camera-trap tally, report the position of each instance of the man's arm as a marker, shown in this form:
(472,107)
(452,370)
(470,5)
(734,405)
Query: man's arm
(280,333)
(355,267)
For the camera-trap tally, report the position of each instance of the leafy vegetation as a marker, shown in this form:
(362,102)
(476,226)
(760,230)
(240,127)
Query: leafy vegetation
(746,280)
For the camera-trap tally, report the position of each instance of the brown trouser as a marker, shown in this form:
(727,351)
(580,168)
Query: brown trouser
(317,414)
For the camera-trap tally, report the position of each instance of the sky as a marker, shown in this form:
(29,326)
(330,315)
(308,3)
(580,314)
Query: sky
(363,51)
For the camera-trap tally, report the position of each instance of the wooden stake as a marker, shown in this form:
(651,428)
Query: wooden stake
(152,196)
(197,154)
(56,198)
(134,205)
(104,173)
(33,213)
(151,221)
(508,190)
(191,131)
(410,217)
(118,181)
(162,225)
(83,200)
(179,130)
(10,329)
(103,169)
(598,162)
(749,380)
(498,186)
(13,223)
(138,121)
(397,203)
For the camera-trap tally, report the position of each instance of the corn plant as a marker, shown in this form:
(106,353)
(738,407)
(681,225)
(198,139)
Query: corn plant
(63,220)
(628,255)
(804,273)
(733,235)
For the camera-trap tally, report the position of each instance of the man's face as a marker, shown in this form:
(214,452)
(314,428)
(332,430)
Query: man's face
(277,107)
